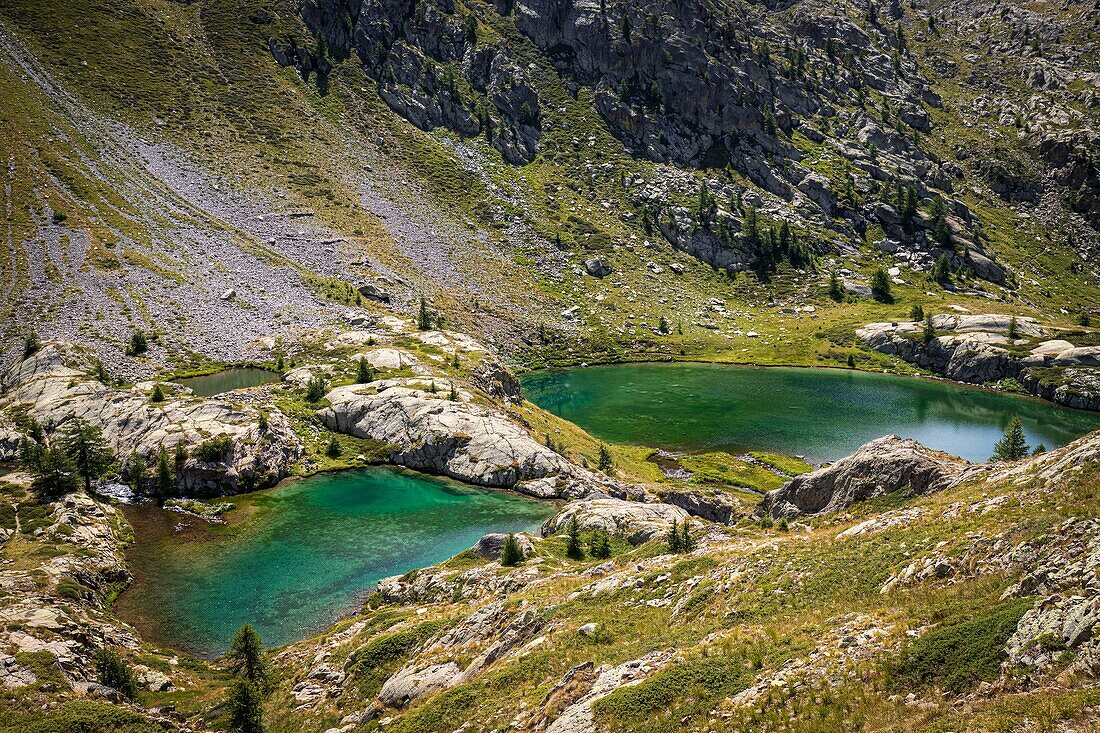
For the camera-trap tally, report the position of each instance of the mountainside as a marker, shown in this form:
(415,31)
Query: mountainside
(590,170)
(396,206)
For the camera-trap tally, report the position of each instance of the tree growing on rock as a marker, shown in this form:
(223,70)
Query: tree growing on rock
(573,547)
(1013,445)
(245,656)
(929,330)
(114,673)
(245,704)
(158,393)
(511,554)
(86,447)
(31,345)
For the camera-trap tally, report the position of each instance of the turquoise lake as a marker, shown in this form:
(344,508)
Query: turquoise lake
(822,414)
(296,558)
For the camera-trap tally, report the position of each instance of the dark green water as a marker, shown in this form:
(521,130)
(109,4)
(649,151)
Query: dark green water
(228,380)
(302,555)
(823,414)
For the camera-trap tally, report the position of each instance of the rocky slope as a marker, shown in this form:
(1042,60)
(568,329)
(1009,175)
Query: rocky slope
(56,384)
(982,349)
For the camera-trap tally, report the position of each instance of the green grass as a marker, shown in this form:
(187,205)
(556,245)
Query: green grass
(958,656)
(726,470)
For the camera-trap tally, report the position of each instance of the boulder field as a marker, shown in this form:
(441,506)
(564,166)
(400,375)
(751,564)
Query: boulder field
(980,349)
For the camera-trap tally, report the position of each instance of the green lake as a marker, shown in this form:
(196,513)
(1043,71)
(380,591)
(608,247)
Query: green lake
(822,414)
(227,380)
(296,558)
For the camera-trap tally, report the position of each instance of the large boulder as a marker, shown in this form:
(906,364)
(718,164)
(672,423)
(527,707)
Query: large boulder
(470,442)
(889,465)
(491,545)
(637,522)
(410,683)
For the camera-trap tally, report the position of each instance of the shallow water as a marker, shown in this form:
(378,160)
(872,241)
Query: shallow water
(823,414)
(301,556)
(228,380)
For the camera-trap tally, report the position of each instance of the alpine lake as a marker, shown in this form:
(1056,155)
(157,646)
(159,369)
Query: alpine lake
(294,559)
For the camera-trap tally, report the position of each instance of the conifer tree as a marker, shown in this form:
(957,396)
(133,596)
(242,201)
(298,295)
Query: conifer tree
(31,345)
(86,448)
(836,292)
(687,542)
(916,312)
(605,463)
(424,318)
(511,554)
(52,472)
(135,471)
(245,706)
(1013,446)
(245,655)
(165,482)
(138,344)
(573,543)
(158,393)
(333,450)
(674,539)
(114,673)
(929,329)
(880,286)
(363,372)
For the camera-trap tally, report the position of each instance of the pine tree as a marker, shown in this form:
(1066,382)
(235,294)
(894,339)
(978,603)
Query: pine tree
(245,655)
(315,389)
(880,286)
(52,472)
(511,554)
(929,329)
(85,446)
(836,292)
(916,312)
(138,344)
(333,450)
(31,345)
(135,471)
(941,271)
(158,393)
(663,325)
(573,544)
(424,318)
(605,464)
(600,546)
(245,706)
(453,396)
(1013,446)
(1013,329)
(674,539)
(114,673)
(165,484)
(687,542)
(363,372)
